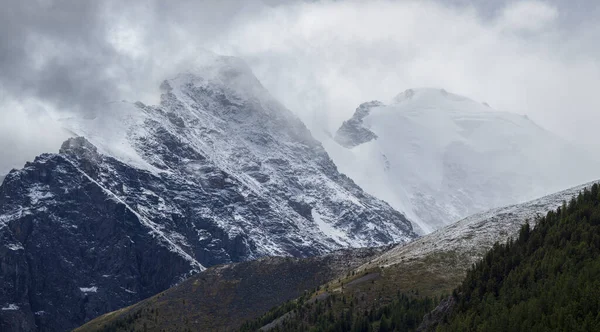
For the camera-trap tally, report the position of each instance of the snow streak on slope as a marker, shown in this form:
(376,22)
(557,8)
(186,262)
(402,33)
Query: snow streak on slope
(471,237)
(440,157)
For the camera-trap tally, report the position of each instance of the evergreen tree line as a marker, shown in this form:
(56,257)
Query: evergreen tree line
(343,312)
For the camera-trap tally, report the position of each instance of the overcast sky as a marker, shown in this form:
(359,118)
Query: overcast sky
(320,58)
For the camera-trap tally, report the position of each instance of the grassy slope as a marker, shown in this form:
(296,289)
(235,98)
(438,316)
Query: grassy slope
(370,288)
(223,297)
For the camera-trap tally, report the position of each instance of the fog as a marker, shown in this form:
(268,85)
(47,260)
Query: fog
(320,58)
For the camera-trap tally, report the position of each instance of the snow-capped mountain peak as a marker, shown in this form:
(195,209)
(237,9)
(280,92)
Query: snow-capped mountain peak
(228,75)
(440,157)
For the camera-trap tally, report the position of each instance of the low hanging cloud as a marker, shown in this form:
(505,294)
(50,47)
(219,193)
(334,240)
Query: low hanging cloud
(326,58)
(320,58)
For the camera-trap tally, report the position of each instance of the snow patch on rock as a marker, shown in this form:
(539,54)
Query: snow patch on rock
(10,307)
(92,289)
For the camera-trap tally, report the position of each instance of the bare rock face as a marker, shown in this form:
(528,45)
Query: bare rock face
(436,317)
(352,132)
(219,172)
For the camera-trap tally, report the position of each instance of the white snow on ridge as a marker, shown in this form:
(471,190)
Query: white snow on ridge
(110,132)
(92,289)
(329,230)
(473,236)
(15,246)
(39,193)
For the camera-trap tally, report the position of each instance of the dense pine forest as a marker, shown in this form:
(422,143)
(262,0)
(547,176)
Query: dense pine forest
(547,279)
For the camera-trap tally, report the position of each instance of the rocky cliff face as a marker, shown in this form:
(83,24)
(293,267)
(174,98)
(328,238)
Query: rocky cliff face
(219,172)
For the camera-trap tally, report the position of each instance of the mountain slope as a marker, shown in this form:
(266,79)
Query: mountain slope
(470,238)
(547,279)
(222,297)
(220,113)
(448,157)
(219,172)
(431,266)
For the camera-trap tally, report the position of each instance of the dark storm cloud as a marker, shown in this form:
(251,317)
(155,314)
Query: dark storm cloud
(61,51)
(55,50)
(62,58)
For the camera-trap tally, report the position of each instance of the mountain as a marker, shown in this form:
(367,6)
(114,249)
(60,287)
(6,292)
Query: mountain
(218,172)
(440,157)
(419,272)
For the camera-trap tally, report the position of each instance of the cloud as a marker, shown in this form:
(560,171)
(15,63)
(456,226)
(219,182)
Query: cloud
(71,57)
(320,58)
(26,130)
(527,16)
(324,58)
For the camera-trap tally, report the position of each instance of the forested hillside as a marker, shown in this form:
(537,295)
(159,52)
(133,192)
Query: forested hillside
(346,312)
(548,279)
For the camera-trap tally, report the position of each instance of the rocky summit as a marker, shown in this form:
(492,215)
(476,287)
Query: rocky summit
(218,172)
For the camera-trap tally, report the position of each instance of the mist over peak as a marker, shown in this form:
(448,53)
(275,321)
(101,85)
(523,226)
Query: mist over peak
(428,94)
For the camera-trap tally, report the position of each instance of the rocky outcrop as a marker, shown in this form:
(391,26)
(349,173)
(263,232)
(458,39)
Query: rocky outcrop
(437,316)
(71,249)
(352,132)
